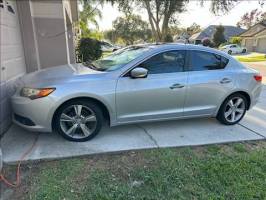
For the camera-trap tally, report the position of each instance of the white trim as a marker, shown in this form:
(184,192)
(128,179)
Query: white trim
(66,35)
(35,38)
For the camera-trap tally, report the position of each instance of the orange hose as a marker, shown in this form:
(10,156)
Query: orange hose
(8,183)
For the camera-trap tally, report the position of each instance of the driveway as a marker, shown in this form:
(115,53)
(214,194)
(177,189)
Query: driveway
(140,136)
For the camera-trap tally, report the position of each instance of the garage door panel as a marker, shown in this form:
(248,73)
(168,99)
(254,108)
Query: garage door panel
(249,44)
(12,69)
(9,18)
(12,52)
(261,45)
(10,35)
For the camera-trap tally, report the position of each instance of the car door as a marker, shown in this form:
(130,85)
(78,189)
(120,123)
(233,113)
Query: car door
(208,83)
(160,95)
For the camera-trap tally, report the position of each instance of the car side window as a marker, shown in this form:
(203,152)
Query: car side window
(166,62)
(200,60)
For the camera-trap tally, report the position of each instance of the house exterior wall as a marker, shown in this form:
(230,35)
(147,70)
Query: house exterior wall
(35,37)
(255,43)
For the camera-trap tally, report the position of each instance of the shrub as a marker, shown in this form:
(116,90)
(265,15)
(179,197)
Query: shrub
(235,40)
(206,42)
(168,38)
(88,49)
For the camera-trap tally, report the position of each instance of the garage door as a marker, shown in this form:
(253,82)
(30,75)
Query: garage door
(261,46)
(12,55)
(249,44)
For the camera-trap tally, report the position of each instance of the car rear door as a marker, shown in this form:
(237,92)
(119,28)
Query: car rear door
(208,83)
(160,95)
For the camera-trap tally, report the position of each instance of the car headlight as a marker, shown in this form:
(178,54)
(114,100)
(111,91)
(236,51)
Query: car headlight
(34,93)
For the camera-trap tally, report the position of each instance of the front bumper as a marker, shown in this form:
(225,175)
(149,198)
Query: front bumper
(33,115)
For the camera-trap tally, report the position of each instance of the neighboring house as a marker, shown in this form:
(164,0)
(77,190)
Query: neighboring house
(254,39)
(229,31)
(35,34)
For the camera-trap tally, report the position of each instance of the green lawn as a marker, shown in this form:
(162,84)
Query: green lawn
(235,171)
(252,57)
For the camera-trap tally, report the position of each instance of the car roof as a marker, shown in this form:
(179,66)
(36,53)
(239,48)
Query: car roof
(165,46)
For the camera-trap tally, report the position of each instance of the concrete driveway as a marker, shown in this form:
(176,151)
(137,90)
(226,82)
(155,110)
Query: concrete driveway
(140,136)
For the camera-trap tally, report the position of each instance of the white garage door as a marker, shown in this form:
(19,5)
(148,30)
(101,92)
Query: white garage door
(249,44)
(12,55)
(261,45)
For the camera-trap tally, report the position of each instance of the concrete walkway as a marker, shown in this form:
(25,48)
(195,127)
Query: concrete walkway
(141,136)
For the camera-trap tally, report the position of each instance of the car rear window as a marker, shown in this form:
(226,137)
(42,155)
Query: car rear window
(201,60)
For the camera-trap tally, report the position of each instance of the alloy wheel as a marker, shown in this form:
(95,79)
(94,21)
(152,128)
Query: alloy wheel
(235,109)
(78,121)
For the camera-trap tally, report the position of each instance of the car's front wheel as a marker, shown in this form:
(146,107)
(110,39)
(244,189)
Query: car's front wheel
(78,120)
(233,109)
(230,52)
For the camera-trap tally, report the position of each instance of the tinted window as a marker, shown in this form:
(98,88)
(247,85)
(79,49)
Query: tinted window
(167,62)
(207,61)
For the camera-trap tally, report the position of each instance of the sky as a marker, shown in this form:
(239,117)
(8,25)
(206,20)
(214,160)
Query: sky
(195,13)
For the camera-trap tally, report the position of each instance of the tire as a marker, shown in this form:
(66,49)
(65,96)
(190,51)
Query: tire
(229,52)
(244,51)
(78,120)
(225,109)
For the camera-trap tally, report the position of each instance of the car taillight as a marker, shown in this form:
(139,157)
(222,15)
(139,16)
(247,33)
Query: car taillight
(258,78)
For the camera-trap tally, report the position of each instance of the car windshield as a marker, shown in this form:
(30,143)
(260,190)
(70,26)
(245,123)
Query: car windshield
(119,58)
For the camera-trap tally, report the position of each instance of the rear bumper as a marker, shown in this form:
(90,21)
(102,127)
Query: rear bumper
(255,95)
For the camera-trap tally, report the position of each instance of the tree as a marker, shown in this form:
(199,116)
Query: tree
(160,13)
(193,28)
(218,36)
(131,28)
(110,35)
(87,16)
(251,18)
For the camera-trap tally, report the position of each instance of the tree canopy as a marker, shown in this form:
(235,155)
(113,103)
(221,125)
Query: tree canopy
(131,28)
(251,18)
(218,36)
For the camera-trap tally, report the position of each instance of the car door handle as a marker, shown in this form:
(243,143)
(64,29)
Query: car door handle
(177,85)
(225,80)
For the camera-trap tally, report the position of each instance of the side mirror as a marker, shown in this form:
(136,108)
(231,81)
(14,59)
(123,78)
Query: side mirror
(139,72)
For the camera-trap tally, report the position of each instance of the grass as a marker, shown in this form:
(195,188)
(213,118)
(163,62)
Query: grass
(235,171)
(252,57)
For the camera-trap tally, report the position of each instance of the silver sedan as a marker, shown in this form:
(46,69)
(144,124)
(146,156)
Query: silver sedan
(136,84)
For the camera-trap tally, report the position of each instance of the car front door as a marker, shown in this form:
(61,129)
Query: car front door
(159,95)
(208,83)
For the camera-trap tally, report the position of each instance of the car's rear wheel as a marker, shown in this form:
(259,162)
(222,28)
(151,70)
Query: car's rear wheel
(244,51)
(78,120)
(233,109)
(230,52)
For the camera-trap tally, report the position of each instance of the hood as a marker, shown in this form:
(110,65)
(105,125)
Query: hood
(57,74)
